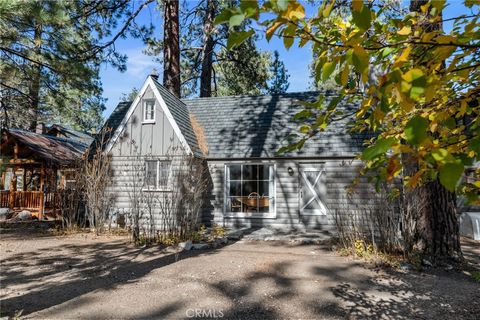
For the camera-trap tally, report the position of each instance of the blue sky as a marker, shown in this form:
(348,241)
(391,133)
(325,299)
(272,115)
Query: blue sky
(139,65)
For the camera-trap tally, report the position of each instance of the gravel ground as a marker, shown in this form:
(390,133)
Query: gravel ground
(86,277)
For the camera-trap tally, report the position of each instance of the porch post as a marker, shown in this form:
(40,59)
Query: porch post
(12,189)
(42,196)
(24,178)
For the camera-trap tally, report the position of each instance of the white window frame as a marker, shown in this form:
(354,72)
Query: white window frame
(272,214)
(158,186)
(145,102)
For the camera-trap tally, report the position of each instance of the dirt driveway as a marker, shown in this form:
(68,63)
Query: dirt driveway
(81,276)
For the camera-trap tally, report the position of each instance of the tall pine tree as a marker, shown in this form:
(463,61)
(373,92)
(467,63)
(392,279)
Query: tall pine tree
(50,53)
(279,82)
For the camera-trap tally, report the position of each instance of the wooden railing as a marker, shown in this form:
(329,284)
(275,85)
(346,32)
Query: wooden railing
(4,199)
(30,200)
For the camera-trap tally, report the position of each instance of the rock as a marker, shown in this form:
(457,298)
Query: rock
(427,263)
(222,240)
(172,249)
(406,266)
(24,215)
(187,245)
(200,246)
(4,213)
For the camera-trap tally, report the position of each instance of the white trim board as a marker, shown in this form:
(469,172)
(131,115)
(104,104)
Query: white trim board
(149,83)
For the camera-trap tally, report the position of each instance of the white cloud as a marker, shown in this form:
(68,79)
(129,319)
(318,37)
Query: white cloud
(139,65)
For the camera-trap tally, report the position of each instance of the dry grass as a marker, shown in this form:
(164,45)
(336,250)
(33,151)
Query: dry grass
(200,134)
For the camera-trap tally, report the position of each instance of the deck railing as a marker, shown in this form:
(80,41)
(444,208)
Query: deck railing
(37,201)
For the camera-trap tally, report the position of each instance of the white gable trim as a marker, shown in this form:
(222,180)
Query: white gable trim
(149,83)
(170,118)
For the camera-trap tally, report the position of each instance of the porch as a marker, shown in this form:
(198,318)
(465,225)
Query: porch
(40,204)
(35,170)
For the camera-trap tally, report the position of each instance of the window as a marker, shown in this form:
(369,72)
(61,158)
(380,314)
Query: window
(148,110)
(250,189)
(156,174)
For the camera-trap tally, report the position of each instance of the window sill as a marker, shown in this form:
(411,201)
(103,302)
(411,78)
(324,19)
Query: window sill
(272,215)
(148,122)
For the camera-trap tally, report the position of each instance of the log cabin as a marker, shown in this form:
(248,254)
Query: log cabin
(35,166)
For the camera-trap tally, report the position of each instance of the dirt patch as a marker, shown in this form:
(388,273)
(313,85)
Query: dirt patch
(83,276)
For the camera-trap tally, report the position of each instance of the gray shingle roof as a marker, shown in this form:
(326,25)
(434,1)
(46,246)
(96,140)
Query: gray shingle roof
(257,126)
(181,115)
(115,119)
(112,123)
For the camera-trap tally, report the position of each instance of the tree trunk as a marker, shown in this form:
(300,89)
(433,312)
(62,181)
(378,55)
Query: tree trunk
(430,229)
(207,50)
(34,85)
(171,48)
(430,211)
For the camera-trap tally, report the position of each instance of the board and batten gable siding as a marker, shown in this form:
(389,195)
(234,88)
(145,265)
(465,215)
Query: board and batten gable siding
(339,175)
(155,138)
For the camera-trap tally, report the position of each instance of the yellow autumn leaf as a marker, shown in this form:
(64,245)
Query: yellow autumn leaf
(406,105)
(345,75)
(443,52)
(430,92)
(412,75)
(463,109)
(378,114)
(295,11)
(445,39)
(393,168)
(415,180)
(271,30)
(464,74)
(357,5)
(405,31)
(403,57)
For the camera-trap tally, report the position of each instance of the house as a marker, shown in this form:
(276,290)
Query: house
(36,165)
(251,185)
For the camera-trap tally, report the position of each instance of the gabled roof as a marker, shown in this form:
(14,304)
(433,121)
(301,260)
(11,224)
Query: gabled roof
(175,111)
(181,116)
(69,133)
(115,120)
(248,126)
(44,147)
(257,126)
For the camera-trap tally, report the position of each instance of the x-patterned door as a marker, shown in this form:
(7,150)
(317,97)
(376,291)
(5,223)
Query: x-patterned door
(312,189)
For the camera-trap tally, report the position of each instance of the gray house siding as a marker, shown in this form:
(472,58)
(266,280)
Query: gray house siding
(244,130)
(137,143)
(339,174)
(138,138)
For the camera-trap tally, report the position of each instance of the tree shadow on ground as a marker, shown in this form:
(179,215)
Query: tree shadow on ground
(65,272)
(279,282)
(428,295)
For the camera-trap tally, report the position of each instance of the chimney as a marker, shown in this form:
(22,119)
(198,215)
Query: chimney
(154,74)
(40,128)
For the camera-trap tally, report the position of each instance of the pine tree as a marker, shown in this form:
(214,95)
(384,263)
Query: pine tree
(206,67)
(279,82)
(50,53)
(171,48)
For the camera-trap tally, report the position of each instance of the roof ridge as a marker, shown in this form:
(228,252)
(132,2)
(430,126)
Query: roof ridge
(47,136)
(158,84)
(285,94)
